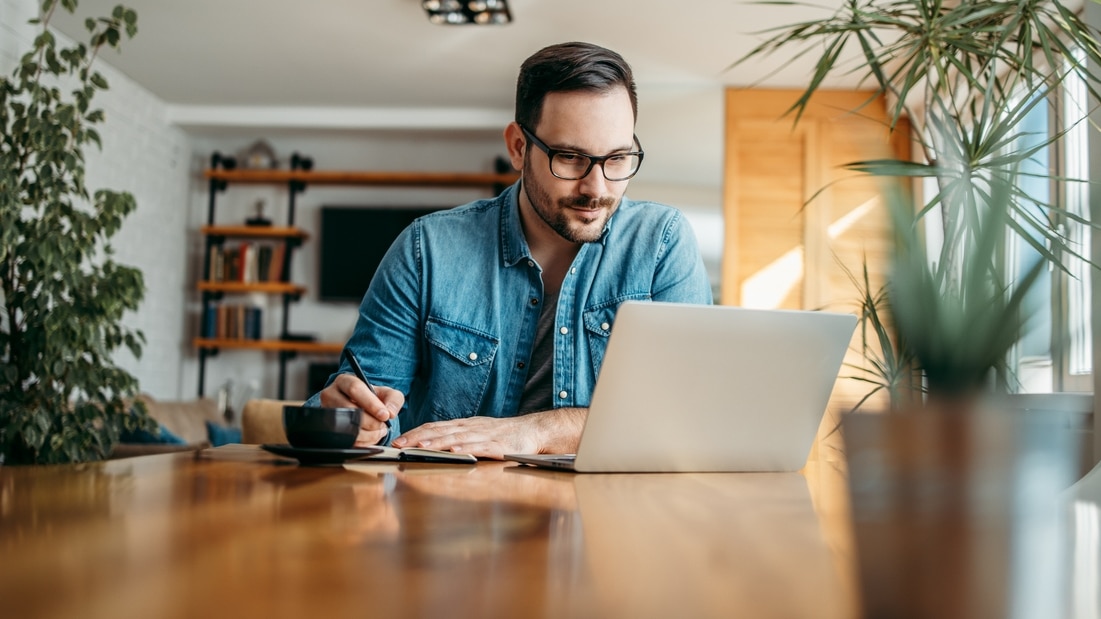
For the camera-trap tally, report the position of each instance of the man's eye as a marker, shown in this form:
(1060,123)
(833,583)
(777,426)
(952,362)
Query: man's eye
(570,158)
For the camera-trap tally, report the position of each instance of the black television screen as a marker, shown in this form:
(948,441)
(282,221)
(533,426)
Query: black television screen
(353,242)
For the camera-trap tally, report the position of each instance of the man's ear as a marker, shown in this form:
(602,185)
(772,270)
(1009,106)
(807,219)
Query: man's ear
(516,143)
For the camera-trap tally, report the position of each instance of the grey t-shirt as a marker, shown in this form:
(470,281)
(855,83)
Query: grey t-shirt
(538,388)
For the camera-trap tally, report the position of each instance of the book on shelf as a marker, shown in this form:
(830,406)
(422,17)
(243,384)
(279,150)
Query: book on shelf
(210,322)
(246,263)
(231,264)
(233,321)
(278,256)
(263,262)
(214,264)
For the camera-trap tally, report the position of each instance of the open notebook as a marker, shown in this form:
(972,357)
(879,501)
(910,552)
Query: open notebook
(708,388)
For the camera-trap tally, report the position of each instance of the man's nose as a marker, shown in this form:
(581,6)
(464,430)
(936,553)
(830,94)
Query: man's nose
(594,184)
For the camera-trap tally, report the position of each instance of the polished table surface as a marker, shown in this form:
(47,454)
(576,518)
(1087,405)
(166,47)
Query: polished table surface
(235,531)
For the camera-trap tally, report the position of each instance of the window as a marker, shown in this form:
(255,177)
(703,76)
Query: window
(1055,352)
(1076,360)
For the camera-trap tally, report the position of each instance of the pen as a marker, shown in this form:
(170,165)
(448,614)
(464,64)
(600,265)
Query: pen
(351,359)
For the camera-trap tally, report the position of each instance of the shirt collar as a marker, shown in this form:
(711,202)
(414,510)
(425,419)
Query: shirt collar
(514,247)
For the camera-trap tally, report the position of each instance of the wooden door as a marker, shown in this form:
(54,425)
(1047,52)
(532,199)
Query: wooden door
(796,221)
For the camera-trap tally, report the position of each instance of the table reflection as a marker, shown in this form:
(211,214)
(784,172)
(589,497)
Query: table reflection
(236,531)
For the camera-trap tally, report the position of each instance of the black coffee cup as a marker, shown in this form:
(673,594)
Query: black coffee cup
(318,427)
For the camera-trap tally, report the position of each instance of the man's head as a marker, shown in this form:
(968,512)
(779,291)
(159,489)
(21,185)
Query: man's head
(575,115)
(567,67)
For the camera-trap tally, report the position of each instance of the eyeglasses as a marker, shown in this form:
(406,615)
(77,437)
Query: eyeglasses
(571,166)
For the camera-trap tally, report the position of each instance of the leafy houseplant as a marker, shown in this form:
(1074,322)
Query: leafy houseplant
(62,296)
(966,74)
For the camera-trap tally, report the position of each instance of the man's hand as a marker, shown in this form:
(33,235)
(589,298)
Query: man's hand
(348,391)
(554,431)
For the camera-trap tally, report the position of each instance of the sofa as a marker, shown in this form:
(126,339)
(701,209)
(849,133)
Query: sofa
(190,425)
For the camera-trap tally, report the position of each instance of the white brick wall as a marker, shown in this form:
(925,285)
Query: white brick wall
(145,155)
(15,34)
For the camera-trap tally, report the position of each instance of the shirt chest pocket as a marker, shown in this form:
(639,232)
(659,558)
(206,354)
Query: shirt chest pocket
(459,368)
(598,326)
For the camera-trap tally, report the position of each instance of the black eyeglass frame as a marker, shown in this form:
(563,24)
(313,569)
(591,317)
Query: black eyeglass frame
(593,159)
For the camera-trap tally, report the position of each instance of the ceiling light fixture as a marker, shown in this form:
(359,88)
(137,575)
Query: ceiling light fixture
(454,12)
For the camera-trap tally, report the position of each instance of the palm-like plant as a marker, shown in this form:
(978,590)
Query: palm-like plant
(888,364)
(966,74)
(958,322)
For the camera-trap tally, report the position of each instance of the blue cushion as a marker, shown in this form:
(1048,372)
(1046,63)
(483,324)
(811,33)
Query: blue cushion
(162,436)
(222,435)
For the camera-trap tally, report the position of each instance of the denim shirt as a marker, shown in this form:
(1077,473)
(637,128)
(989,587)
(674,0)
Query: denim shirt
(450,316)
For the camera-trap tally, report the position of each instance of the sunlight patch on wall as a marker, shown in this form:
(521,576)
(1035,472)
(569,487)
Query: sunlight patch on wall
(767,288)
(848,220)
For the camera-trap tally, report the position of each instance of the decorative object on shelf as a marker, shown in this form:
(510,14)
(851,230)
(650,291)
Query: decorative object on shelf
(258,219)
(259,156)
(301,162)
(65,299)
(225,162)
(457,12)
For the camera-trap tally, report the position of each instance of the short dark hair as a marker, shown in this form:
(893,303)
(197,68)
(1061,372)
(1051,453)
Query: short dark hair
(568,67)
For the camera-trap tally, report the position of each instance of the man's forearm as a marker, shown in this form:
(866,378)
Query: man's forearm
(559,429)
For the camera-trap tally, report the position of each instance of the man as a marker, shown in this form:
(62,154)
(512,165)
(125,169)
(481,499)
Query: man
(494,316)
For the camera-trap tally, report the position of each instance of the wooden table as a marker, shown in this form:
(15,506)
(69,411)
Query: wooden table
(236,532)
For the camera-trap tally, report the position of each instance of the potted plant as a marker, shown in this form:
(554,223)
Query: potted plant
(63,297)
(966,75)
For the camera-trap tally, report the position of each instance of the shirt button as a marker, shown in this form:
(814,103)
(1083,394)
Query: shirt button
(534,301)
(531,263)
(520,365)
(473,356)
(563,330)
(573,270)
(562,394)
(605,326)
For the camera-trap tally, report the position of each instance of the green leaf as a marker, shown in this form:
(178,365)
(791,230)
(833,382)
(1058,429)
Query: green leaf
(61,396)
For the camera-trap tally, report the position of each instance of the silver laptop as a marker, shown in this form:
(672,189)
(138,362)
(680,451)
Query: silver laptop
(708,388)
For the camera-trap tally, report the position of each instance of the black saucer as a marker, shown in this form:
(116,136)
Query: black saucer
(310,455)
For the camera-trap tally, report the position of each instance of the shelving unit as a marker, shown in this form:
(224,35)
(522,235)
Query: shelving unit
(222,172)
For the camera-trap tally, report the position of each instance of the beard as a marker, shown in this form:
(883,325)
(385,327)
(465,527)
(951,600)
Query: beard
(557,215)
